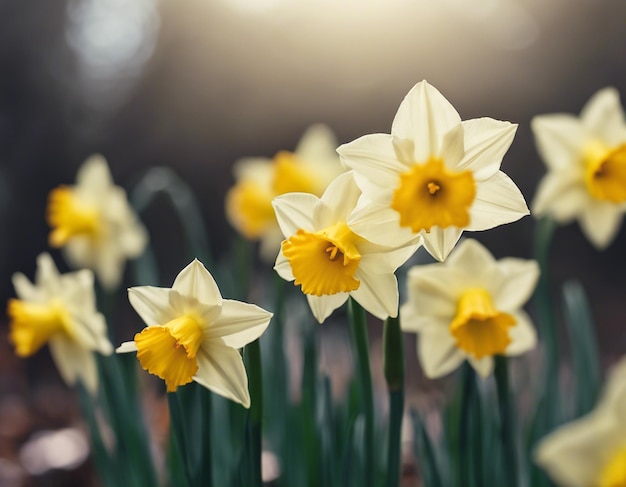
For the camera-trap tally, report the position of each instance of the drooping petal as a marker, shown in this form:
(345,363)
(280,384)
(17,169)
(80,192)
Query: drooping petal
(109,264)
(486,142)
(323,306)
(559,139)
(523,335)
(498,201)
(437,351)
(514,289)
(424,116)
(74,362)
(483,366)
(294,211)
(239,323)
(561,195)
(197,282)
(127,347)
(221,370)
(152,304)
(600,221)
(439,242)
(378,292)
(603,114)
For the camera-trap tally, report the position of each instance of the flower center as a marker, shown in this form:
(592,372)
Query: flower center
(70,216)
(480,329)
(291,176)
(33,324)
(614,472)
(249,208)
(605,174)
(430,195)
(169,350)
(324,262)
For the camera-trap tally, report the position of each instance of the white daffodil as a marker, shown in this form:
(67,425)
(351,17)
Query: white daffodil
(586,160)
(469,308)
(324,255)
(309,169)
(94,223)
(59,310)
(434,175)
(591,451)
(194,334)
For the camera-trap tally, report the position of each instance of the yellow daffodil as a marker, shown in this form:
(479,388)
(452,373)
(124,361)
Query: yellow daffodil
(94,223)
(586,161)
(309,169)
(59,310)
(434,175)
(324,255)
(469,308)
(194,334)
(591,451)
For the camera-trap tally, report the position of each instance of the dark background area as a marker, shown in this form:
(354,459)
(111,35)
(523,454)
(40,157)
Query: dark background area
(196,84)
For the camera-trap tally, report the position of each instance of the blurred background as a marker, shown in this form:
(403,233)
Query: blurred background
(196,84)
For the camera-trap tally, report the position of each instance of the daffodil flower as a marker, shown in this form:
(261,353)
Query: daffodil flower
(59,310)
(586,160)
(591,451)
(194,334)
(434,176)
(309,169)
(324,255)
(469,308)
(94,223)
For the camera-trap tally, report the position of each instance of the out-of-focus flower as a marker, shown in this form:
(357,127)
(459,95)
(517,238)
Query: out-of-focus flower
(469,307)
(309,169)
(591,451)
(59,310)
(94,223)
(324,255)
(194,334)
(434,175)
(586,160)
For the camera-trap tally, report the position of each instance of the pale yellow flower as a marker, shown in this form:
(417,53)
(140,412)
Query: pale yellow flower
(324,255)
(469,308)
(434,176)
(94,223)
(309,169)
(59,310)
(591,451)
(586,160)
(194,334)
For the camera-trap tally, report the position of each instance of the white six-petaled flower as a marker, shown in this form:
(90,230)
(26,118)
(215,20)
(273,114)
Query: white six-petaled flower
(469,308)
(94,223)
(194,334)
(434,176)
(309,169)
(59,310)
(324,254)
(586,160)
(591,451)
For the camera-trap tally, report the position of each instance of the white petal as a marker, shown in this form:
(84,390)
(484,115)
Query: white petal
(603,113)
(433,290)
(518,282)
(424,116)
(239,323)
(561,195)
(486,142)
(381,225)
(126,347)
(24,289)
(221,370)
(318,143)
(74,362)
(559,139)
(472,257)
(600,221)
(89,330)
(197,282)
(152,304)
(46,274)
(377,293)
(437,352)
(498,201)
(523,335)
(613,399)
(295,211)
(483,367)
(340,198)
(283,268)
(452,148)
(109,265)
(94,177)
(439,242)
(255,169)
(270,243)
(323,306)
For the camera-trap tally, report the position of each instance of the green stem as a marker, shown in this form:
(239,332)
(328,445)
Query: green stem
(177,428)
(507,421)
(470,437)
(358,329)
(393,365)
(206,470)
(252,353)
